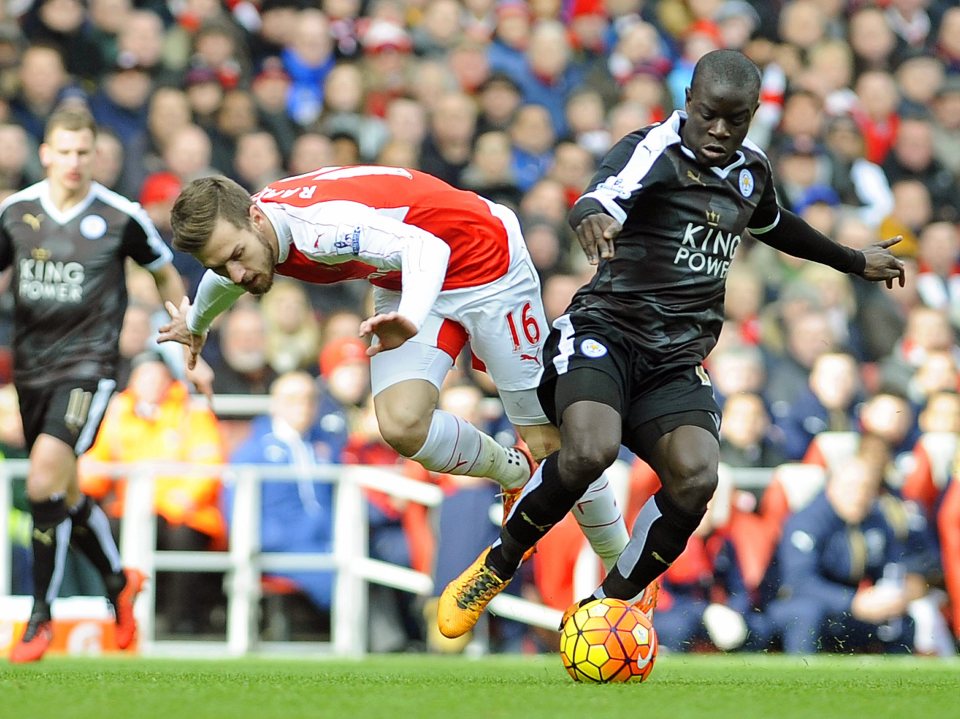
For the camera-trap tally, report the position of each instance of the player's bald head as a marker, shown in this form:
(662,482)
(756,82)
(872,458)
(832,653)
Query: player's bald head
(728,68)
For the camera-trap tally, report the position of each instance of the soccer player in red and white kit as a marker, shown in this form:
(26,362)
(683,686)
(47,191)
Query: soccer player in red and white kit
(447,266)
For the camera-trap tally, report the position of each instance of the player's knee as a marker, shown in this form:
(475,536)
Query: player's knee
(541,440)
(406,433)
(583,462)
(694,494)
(692,468)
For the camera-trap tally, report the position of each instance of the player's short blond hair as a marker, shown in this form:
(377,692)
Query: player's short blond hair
(73,117)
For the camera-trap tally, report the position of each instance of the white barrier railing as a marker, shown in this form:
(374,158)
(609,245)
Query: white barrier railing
(244,562)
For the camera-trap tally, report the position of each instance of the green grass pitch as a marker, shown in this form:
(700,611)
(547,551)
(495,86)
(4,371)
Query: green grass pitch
(397,687)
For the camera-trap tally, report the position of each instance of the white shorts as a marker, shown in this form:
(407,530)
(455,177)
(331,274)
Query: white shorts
(503,321)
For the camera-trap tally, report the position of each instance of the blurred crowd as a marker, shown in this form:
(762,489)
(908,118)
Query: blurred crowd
(846,387)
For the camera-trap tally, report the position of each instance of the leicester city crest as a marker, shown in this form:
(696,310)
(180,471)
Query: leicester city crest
(592,348)
(746,183)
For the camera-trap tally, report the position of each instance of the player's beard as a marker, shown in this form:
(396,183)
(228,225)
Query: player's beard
(264,279)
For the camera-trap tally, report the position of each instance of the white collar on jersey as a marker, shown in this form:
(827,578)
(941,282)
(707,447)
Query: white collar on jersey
(62,218)
(278,219)
(676,120)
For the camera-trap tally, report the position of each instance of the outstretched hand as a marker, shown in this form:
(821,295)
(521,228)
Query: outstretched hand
(201,375)
(596,234)
(392,329)
(882,264)
(176,331)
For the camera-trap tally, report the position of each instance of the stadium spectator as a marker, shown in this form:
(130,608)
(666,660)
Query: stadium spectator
(257,160)
(828,404)
(446,149)
(43,82)
(807,336)
(746,439)
(120,103)
(243,368)
(188,153)
(927,330)
(293,331)
(833,597)
(16,168)
(343,110)
(490,172)
(109,159)
(946,124)
(875,110)
(912,211)
(309,151)
(269,89)
(859,183)
(63,23)
(872,40)
(948,525)
(398,534)
(154,419)
(296,515)
(938,283)
(236,116)
(919,77)
(912,158)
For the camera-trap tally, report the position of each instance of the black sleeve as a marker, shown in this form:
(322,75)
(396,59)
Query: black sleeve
(633,164)
(6,245)
(142,242)
(768,208)
(795,237)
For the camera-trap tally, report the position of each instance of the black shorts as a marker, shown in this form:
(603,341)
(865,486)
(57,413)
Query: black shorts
(70,410)
(584,359)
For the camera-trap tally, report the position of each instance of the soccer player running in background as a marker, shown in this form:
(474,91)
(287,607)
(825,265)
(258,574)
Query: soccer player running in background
(664,216)
(67,239)
(447,266)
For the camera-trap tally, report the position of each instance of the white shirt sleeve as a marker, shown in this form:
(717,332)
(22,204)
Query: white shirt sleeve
(873,190)
(352,231)
(214,295)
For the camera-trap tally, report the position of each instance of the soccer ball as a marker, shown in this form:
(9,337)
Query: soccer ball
(608,641)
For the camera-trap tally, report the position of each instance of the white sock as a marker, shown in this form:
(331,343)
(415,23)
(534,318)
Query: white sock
(454,446)
(601,521)
(931,633)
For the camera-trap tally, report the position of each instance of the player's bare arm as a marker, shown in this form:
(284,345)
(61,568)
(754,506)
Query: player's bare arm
(171,288)
(392,329)
(596,233)
(882,264)
(169,283)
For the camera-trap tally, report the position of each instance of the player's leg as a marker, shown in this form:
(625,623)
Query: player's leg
(686,459)
(596,511)
(508,333)
(51,464)
(411,423)
(674,425)
(60,427)
(590,442)
(91,529)
(406,387)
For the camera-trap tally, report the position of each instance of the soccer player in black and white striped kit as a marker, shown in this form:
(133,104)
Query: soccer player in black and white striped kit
(662,218)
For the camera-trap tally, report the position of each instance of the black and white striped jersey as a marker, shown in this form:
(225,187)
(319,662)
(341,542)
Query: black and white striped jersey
(68,283)
(682,224)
